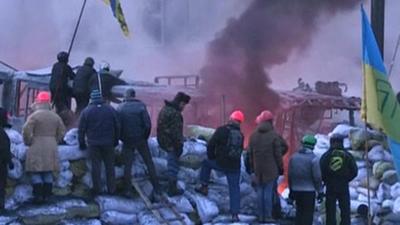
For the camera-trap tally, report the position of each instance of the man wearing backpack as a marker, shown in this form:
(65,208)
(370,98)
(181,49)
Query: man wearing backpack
(224,152)
(338,168)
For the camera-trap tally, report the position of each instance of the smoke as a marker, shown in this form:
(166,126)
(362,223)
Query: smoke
(265,35)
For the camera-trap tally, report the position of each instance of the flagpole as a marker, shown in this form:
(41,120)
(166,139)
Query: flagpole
(76,27)
(366,148)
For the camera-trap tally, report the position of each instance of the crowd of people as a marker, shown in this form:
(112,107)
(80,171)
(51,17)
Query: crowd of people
(101,127)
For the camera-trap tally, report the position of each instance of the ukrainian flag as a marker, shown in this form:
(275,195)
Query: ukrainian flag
(117,11)
(380,107)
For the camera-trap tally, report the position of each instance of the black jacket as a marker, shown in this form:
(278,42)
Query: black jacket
(334,182)
(99,123)
(60,74)
(107,82)
(5,153)
(81,81)
(135,121)
(217,146)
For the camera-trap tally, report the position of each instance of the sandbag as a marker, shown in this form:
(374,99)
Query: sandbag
(197,131)
(114,217)
(380,167)
(71,137)
(181,203)
(66,152)
(108,203)
(207,209)
(15,136)
(17,171)
(342,129)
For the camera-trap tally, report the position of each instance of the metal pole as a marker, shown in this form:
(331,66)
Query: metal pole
(378,22)
(76,27)
(394,57)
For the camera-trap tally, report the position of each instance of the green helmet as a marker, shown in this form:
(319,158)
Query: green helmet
(309,141)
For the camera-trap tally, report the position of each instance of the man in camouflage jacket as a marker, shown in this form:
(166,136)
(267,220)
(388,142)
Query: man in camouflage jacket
(170,136)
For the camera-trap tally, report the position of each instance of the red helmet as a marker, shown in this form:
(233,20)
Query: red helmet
(264,116)
(43,97)
(238,116)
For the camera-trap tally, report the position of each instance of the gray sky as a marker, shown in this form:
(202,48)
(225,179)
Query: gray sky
(34,31)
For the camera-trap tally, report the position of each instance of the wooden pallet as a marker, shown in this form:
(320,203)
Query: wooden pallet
(155,209)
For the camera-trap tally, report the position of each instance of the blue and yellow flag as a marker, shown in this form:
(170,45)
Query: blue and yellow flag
(117,12)
(380,107)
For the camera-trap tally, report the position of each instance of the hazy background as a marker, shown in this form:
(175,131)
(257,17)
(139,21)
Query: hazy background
(33,32)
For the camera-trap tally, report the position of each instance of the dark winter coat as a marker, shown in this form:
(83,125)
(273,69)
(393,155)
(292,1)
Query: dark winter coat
(107,82)
(304,172)
(5,154)
(81,81)
(99,123)
(135,121)
(265,150)
(333,182)
(170,128)
(61,73)
(218,145)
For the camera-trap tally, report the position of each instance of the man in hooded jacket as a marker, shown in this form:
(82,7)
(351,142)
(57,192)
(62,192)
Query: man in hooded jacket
(265,152)
(170,137)
(61,73)
(81,84)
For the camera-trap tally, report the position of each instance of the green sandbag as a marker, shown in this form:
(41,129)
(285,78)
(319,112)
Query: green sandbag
(197,131)
(358,138)
(379,168)
(78,168)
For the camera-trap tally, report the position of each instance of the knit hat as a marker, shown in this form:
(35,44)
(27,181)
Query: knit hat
(95,96)
(89,61)
(264,116)
(182,97)
(43,97)
(130,93)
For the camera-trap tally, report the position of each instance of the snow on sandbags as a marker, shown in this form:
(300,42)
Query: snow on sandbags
(17,171)
(66,152)
(64,179)
(22,193)
(71,137)
(194,153)
(114,217)
(113,203)
(197,131)
(155,149)
(145,218)
(15,137)
(160,164)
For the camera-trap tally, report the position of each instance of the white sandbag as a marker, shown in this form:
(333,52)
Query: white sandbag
(64,179)
(197,131)
(353,193)
(194,148)
(182,204)
(42,211)
(155,149)
(10,204)
(64,165)
(19,151)
(207,209)
(168,214)
(342,129)
(80,222)
(384,192)
(364,191)
(145,218)
(396,205)
(66,152)
(123,205)
(71,137)
(160,164)
(17,171)
(22,193)
(87,180)
(378,153)
(114,217)
(394,190)
(15,136)
(72,203)
(322,144)
(362,174)
(388,204)
(7,219)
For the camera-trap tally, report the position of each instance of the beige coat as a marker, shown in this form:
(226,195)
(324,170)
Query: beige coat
(42,132)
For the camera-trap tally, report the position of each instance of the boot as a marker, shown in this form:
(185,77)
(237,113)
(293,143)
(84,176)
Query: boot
(173,189)
(203,189)
(47,191)
(235,218)
(37,193)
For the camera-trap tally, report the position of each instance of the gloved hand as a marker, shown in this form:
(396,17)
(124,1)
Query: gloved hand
(10,165)
(82,146)
(320,197)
